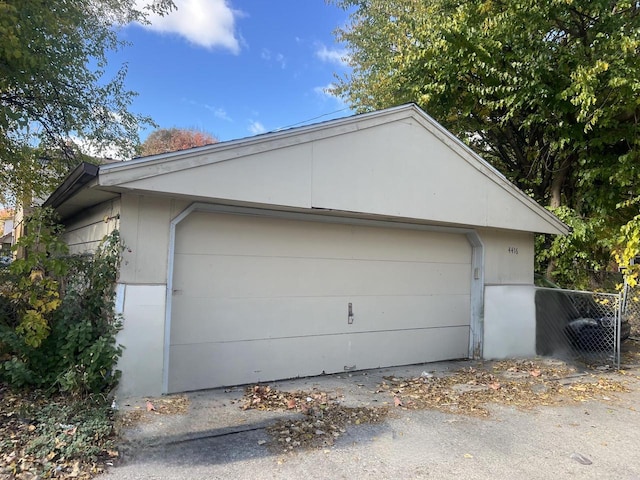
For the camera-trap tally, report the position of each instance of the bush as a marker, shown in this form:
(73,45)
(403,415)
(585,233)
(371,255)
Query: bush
(57,321)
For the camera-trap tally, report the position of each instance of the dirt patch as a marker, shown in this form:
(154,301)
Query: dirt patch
(630,352)
(132,415)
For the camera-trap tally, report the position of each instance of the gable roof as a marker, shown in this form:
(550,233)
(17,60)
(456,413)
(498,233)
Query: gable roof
(393,163)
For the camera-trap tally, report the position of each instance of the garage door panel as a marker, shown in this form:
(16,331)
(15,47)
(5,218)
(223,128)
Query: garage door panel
(409,245)
(380,349)
(257,299)
(211,320)
(250,277)
(236,235)
(266,360)
(235,363)
(410,312)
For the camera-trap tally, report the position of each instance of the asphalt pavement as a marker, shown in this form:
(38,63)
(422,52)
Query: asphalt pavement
(216,439)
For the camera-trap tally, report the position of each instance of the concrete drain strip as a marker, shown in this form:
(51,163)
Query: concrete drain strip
(211,434)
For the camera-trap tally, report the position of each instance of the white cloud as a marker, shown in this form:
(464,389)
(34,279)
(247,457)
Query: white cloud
(328,91)
(207,23)
(325,91)
(97,150)
(340,57)
(326,94)
(279,58)
(256,128)
(218,112)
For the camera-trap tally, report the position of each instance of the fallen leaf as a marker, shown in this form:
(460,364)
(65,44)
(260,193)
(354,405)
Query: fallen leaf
(495,386)
(535,373)
(291,403)
(75,470)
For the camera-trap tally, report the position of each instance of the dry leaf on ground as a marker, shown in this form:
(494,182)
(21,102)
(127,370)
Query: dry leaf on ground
(323,420)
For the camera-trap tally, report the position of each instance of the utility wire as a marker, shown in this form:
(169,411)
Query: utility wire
(310,119)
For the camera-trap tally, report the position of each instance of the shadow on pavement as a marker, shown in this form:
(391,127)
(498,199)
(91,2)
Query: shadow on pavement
(228,445)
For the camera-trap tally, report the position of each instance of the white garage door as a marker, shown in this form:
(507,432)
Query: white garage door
(259,299)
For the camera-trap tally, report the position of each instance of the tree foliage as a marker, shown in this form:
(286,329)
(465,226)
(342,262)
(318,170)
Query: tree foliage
(54,86)
(166,140)
(57,320)
(627,247)
(546,91)
(34,290)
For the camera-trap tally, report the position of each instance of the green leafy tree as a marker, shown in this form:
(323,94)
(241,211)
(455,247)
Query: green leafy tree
(54,87)
(546,91)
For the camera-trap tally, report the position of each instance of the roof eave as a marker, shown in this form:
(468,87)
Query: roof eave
(75,181)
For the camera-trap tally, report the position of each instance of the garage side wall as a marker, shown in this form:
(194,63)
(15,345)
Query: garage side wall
(509,309)
(84,232)
(141,304)
(508,257)
(510,321)
(144,231)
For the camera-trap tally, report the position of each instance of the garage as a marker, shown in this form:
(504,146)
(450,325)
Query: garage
(258,298)
(361,242)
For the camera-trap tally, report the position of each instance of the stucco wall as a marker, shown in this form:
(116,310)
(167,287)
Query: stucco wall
(143,308)
(84,232)
(510,321)
(509,307)
(508,257)
(144,230)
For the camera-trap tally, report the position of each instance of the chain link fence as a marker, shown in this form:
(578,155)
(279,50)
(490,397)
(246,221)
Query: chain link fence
(631,308)
(583,326)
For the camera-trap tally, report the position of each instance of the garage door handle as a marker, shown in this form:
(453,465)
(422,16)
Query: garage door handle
(350,314)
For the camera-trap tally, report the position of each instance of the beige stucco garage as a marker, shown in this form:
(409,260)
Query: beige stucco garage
(356,243)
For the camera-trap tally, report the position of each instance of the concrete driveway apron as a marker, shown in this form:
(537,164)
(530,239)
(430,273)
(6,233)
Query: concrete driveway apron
(216,438)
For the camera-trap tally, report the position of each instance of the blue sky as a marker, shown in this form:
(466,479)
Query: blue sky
(236,68)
